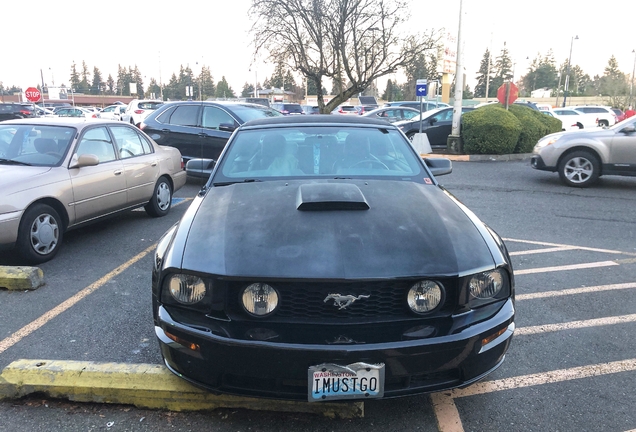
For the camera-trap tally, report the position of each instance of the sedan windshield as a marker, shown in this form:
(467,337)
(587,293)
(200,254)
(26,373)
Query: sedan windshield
(317,151)
(34,144)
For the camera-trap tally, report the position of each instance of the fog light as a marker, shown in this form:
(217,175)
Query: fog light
(259,299)
(424,296)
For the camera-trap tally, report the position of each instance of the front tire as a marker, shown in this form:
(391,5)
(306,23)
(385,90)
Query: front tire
(161,201)
(579,169)
(40,234)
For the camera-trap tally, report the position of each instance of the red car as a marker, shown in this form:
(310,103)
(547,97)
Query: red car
(620,115)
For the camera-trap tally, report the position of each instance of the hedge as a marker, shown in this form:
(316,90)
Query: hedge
(490,130)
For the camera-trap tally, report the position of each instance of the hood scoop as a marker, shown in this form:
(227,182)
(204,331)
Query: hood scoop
(330,196)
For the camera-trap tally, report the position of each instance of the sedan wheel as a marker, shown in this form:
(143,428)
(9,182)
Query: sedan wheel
(159,204)
(40,234)
(579,169)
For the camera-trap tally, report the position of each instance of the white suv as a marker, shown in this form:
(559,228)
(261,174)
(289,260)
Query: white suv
(138,109)
(604,115)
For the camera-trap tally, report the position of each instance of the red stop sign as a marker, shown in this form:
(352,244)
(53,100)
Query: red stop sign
(32,94)
(513,93)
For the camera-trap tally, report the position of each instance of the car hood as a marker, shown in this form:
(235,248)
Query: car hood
(409,229)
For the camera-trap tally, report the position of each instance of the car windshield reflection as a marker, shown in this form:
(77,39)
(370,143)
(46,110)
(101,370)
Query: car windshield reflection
(35,144)
(328,151)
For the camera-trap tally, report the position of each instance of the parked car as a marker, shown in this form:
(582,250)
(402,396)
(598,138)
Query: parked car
(393,114)
(426,105)
(74,112)
(436,123)
(604,115)
(61,173)
(570,116)
(200,129)
(322,261)
(582,157)
(620,115)
(11,111)
(362,109)
(345,109)
(112,112)
(139,109)
(568,123)
(43,112)
(288,108)
(310,109)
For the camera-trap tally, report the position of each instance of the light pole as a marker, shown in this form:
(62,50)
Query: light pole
(567,76)
(631,88)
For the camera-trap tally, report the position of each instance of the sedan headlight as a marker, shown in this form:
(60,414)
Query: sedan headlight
(487,287)
(259,299)
(425,296)
(186,289)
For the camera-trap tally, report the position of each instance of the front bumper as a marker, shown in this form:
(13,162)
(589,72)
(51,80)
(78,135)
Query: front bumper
(279,370)
(537,163)
(9,224)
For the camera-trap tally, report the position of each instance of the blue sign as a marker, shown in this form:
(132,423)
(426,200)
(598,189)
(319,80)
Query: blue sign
(421,89)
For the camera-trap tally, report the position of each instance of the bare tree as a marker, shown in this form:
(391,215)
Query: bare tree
(351,42)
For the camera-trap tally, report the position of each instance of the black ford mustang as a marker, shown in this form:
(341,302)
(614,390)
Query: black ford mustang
(323,261)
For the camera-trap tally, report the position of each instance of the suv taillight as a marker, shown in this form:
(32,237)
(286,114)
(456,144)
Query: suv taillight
(25,112)
(139,111)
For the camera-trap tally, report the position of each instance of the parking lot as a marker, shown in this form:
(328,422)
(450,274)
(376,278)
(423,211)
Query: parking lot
(571,365)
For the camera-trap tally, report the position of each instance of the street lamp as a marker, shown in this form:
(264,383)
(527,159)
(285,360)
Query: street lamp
(567,76)
(631,88)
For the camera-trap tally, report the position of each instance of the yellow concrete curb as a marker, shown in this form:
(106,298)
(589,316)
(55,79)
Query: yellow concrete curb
(142,385)
(21,278)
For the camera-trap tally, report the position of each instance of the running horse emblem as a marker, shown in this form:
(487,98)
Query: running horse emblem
(344,301)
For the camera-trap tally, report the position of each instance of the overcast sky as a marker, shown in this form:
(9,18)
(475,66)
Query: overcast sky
(158,37)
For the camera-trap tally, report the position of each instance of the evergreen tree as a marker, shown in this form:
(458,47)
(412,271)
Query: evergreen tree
(98,84)
(223,89)
(110,85)
(482,75)
(74,79)
(248,90)
(613,83)
(154,90)
(208,89)
(84,86)
(503,71)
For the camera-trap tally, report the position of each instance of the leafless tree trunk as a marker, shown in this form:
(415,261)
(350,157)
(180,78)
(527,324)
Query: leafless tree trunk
(358,40)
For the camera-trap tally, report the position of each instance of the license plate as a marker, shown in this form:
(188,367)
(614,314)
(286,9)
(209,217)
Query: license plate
(355,381)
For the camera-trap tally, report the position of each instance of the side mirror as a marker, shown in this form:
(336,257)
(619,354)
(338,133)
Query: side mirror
(432,121)
(628,129)
(201,168)
(228,127)
(83,160)
(439,166)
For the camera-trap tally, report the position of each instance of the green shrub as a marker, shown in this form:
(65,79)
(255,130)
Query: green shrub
(534,126)
(490,130)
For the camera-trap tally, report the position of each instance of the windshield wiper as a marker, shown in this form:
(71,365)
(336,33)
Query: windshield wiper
(13,162)
(237,181)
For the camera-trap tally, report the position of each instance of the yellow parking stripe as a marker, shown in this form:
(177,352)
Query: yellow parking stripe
(48,316)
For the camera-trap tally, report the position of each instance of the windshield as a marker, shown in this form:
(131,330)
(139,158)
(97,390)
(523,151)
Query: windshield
(253,111)
(35,144)
(318,151)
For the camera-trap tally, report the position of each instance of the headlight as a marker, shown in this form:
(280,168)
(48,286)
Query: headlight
(547,142)
(425,296)
(488,286)
(186,289)
(259,299)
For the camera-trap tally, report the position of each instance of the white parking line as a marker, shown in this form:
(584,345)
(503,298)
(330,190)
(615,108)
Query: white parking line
(566,267)
(546,250)
(569,246)
(446,410)
(598,322)
(572,291)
